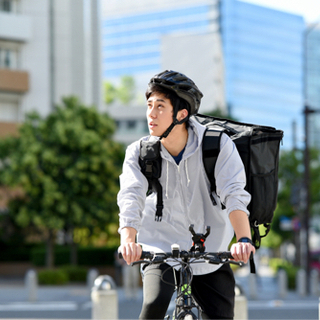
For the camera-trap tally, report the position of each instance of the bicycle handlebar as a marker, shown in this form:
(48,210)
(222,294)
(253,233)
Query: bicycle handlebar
(209,257)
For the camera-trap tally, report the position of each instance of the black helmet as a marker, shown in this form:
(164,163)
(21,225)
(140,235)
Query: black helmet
(183,86)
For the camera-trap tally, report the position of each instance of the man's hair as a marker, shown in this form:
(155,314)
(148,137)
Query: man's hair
(175,100)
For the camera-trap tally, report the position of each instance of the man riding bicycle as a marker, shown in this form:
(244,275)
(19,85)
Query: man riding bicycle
(171,99)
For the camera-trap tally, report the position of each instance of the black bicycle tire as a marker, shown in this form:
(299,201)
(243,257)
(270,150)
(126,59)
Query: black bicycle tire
(186,316)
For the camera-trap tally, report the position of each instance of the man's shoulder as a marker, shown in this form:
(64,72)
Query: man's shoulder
(134,147)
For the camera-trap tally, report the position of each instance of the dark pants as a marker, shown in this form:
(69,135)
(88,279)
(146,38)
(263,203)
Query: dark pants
(214,292)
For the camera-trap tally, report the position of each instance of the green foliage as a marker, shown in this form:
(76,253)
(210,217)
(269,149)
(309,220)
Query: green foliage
(87,256)
(61,255)
(110,92)
(68,166)
(62,275)
(75,273)
(276,264)
(52,277)
(96,256)
(291,171)
(126,89)
(125,92)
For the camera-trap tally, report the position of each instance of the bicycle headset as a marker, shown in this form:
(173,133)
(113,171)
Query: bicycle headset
(184,87)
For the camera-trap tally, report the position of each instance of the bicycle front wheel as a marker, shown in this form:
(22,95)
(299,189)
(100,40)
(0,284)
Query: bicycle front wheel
(187,316)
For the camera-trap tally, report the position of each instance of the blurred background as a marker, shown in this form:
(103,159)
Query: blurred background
(72,79)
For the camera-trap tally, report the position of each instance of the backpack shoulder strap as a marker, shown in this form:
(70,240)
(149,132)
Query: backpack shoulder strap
(150,164)
(210,152)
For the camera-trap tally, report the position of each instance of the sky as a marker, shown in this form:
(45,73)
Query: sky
(309,9)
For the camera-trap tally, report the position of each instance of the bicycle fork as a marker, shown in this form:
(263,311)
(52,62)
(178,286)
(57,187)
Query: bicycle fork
(184,300)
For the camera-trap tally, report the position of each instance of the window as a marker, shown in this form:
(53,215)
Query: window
(8,58)
(131,124)
(6,5)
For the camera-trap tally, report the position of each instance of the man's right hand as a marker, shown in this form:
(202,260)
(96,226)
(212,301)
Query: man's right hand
(130,250)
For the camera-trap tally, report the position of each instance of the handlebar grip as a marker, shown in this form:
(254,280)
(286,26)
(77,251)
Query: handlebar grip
(147,255)
(226,254)
(144,255)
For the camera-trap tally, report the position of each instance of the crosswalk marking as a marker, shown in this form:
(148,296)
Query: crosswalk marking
(39,306)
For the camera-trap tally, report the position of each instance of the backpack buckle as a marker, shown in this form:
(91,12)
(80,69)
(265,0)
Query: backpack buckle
(158,216)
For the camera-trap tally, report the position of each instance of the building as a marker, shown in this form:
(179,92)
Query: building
(257,66)
(263,56)
(312,81)
(48,49)
(139,39)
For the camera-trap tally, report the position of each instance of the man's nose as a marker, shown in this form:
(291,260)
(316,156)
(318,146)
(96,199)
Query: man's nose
(151,111)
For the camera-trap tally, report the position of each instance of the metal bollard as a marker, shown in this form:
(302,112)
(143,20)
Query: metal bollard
(31,284)
(104,298)
(282,283)
(92,275)
(314,282)
(240,305)
(301,282)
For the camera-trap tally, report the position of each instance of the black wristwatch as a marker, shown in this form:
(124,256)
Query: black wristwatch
(245,239)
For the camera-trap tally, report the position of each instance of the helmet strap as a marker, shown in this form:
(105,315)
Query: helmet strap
(175,122)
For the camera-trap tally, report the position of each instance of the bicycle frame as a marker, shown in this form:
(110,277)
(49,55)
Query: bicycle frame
(185,301)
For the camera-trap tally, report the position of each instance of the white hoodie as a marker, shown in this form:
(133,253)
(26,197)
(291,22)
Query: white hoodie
(186,197)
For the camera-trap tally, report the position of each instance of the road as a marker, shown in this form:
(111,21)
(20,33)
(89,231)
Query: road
(73,302)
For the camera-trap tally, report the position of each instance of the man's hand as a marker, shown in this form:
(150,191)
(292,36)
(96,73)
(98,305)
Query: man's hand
(131,252)
(241,251)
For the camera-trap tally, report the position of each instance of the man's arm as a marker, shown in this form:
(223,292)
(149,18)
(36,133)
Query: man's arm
(131,251)
(241,250)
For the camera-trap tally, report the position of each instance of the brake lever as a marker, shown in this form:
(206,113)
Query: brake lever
(139,262)
(238,263)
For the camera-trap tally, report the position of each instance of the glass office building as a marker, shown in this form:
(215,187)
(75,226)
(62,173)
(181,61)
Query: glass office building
(132,37)
(263,55)
(262,50)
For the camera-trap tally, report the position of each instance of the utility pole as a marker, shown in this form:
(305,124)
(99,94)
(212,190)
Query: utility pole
(306,212)
(306,216)
(52,54)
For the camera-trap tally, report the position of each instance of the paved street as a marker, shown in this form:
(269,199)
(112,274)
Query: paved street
(73,302)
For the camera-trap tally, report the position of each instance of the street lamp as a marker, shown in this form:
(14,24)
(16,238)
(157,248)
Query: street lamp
(307,111)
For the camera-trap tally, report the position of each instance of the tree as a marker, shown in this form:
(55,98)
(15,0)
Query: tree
(125,92)
(68,167)
(110,92)
(291,171)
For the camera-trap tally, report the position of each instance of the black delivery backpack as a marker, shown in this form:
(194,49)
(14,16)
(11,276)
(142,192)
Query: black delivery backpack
(258,147)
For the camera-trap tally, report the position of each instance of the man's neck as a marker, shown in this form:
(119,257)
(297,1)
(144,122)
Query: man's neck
(176,140)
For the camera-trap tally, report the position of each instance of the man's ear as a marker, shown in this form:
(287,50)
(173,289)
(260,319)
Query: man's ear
(182,114)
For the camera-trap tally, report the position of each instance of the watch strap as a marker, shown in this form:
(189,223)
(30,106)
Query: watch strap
(245,239)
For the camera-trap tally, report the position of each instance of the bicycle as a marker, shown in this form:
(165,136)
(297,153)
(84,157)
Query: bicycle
(185,303)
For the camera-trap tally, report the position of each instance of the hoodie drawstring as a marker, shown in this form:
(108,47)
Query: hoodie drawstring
(187,173)
(167,182)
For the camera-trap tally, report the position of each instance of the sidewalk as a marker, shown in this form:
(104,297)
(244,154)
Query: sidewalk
(267,287)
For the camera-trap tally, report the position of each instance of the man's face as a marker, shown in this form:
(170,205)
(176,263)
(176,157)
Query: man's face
(159,114)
